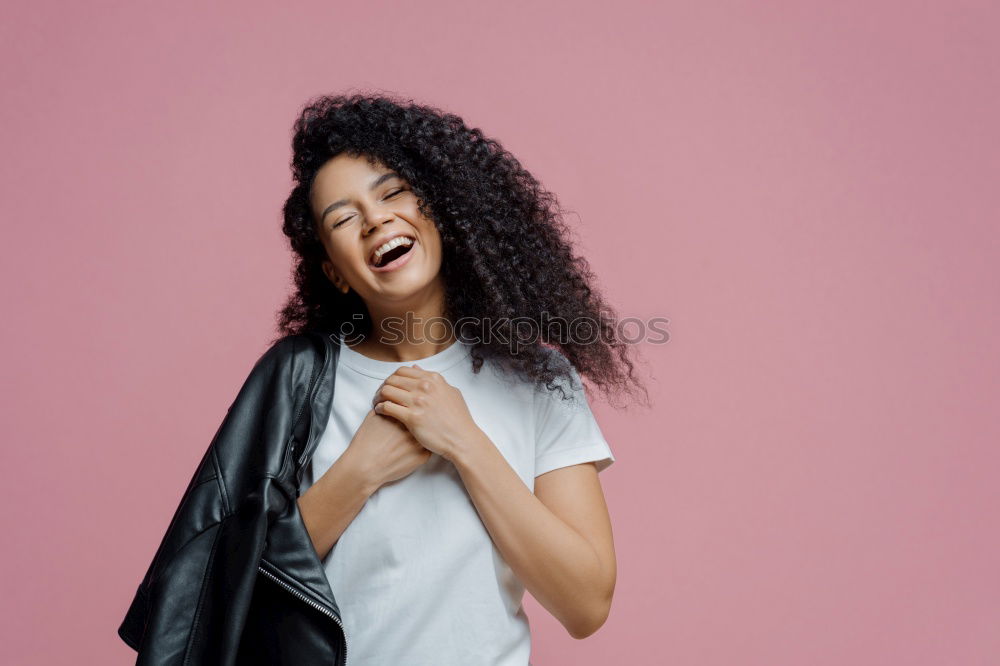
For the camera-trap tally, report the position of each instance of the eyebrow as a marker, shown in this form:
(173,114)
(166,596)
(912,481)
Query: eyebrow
(343,202)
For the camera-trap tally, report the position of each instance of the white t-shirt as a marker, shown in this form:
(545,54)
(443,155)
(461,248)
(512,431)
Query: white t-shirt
(416,575)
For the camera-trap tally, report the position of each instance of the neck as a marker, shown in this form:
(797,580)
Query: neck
(407,331)
(401,352)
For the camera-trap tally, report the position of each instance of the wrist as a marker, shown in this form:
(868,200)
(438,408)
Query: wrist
(462,451)
(358,472)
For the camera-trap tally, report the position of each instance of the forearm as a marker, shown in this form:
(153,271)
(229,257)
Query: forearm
(330,504)
(556,563)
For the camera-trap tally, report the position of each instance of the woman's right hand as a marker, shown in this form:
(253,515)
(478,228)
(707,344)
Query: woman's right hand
(384,450)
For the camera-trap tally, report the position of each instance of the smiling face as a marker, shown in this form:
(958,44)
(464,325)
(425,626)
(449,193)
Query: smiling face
(357,207)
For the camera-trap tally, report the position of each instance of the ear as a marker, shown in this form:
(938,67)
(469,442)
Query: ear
(333,276)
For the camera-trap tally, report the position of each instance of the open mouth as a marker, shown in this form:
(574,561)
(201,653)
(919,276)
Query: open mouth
(402,247)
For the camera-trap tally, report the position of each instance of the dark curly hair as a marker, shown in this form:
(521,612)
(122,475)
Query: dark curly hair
(506,256)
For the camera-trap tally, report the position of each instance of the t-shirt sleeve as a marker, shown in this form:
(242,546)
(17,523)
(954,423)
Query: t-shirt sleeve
(566,432)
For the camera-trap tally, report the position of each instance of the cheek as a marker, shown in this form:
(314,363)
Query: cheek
(344,256)
(432,242)
(430,232)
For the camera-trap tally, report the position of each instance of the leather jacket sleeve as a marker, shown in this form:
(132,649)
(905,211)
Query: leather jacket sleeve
(191,603)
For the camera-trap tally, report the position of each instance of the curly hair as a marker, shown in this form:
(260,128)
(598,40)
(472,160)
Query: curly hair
(506,254)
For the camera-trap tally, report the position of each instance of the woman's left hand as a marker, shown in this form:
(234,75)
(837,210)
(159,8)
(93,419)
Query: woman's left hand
(432,410)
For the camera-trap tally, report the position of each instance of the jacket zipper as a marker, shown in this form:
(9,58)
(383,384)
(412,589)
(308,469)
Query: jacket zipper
(314,382)
(322,609)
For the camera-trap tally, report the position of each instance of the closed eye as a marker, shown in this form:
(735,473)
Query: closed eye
(387,196)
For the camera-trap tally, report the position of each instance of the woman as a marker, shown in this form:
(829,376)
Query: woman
(457,457)
(452,475)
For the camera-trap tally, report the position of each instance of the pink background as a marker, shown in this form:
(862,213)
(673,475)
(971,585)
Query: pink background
(806,190)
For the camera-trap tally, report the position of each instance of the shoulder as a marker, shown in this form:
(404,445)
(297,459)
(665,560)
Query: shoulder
(294,353)
(567,390)
(310,344)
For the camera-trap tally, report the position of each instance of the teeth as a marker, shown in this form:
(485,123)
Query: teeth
(388,245)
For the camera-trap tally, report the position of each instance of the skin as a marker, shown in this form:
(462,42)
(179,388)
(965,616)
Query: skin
(557,539)
(350,233)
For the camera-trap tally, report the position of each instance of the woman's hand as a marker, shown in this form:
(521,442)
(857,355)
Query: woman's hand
(383,450)
(432,410)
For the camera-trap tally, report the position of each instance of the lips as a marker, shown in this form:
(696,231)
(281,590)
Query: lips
(382,241)
(396,263)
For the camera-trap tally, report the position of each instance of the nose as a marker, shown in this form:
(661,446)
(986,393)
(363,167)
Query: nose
(376,220)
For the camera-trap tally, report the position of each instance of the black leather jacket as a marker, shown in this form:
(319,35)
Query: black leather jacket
(236,579)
